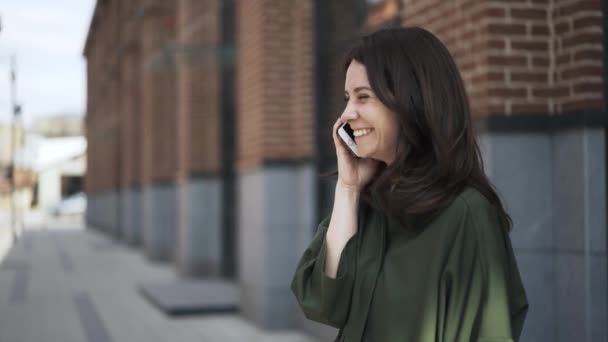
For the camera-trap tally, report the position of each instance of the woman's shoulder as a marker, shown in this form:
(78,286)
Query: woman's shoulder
(470,209)
(474,198)
(480,217)
(470,201)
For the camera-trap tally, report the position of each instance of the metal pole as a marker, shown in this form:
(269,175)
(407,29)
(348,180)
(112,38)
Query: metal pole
(15,112)
(605,76)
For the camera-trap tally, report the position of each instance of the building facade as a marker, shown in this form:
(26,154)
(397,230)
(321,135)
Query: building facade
(208,122)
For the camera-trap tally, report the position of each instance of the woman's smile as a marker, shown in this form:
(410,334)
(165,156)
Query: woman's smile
(362,131)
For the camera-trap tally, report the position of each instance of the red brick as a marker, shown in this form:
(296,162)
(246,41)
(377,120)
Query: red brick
(529,13)
(489,12)
(563,27)
(587,22)
(588,87)
(564,58)
(538,30)
(550,91)
(572,8)
(506,29)
(540,61)
(580,71)
(502,60)
(532,46)
(530,108)
(497,44)
(581,39)
(571,105)
(507,92)
(530,76)
(588,55)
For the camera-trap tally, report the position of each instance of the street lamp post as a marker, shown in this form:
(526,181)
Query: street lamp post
(16,111)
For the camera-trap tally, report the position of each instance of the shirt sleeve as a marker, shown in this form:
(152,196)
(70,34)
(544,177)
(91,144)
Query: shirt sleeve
(323,299)
(481,296)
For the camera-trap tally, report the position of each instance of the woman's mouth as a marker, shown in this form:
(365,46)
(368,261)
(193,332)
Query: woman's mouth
(362,132)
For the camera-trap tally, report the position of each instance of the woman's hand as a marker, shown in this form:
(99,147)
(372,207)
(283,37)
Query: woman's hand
(353,173)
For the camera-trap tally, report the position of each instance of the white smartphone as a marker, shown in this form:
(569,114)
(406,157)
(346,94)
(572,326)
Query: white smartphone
(347,135)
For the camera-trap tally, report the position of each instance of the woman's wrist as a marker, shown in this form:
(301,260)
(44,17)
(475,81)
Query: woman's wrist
(343,223)
(347,190)
(347,197)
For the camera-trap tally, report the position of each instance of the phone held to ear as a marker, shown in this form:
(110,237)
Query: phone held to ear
(347,135)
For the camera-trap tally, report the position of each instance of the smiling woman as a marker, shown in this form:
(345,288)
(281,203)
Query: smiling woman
(368,116)
(417,246)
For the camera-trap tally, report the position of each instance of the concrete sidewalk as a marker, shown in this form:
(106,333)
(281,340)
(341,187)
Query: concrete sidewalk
(63,285)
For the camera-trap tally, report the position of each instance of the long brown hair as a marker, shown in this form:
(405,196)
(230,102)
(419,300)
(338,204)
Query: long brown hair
(413,74)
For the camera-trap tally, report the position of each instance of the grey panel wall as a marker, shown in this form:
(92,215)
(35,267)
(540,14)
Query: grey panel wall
(199,237)
(133,234)
(102,211)
(160,221)
(276,209)
(580,224)
(554,188)
(125,212)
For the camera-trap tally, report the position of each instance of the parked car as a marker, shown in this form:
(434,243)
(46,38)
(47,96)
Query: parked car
(72,205)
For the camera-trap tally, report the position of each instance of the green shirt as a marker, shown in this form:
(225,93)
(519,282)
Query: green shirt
(457,280)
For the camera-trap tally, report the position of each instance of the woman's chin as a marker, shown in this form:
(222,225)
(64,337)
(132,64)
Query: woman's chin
(364,154)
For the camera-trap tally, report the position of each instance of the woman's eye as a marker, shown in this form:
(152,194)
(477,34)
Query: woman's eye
(360,97)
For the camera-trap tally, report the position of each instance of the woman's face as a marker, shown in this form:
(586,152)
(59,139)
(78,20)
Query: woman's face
(376,127)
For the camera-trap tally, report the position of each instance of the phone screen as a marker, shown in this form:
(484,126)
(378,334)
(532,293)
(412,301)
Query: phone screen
(349,131)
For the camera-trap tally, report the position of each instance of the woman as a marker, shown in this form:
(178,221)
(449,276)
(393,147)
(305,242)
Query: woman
(416,247)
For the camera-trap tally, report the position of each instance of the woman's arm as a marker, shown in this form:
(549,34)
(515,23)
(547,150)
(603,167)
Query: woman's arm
(324,277)
(342,226)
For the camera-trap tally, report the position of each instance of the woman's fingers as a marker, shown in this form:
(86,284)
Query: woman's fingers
(335,133)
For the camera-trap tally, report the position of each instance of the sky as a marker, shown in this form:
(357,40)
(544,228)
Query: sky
(47,38)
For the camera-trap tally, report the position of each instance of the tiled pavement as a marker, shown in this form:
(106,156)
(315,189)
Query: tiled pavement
(64,284)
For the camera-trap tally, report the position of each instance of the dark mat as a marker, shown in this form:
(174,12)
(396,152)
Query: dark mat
(198,296)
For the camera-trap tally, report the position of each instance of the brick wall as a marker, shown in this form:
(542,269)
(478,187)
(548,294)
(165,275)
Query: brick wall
(133,103)
(125,80)
(112,134)
(250,92)
(102,111)
(516,57)
(127,48)
(520,57)
(158,123)
(134,93)
(272,42)
(302,91)
(578,55)
(148,48)
(198,86)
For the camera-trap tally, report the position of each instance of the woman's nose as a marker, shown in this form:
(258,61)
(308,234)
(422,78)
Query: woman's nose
(349,115)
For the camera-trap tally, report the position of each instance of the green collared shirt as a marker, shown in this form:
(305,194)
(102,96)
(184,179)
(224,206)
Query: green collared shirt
(457,280)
